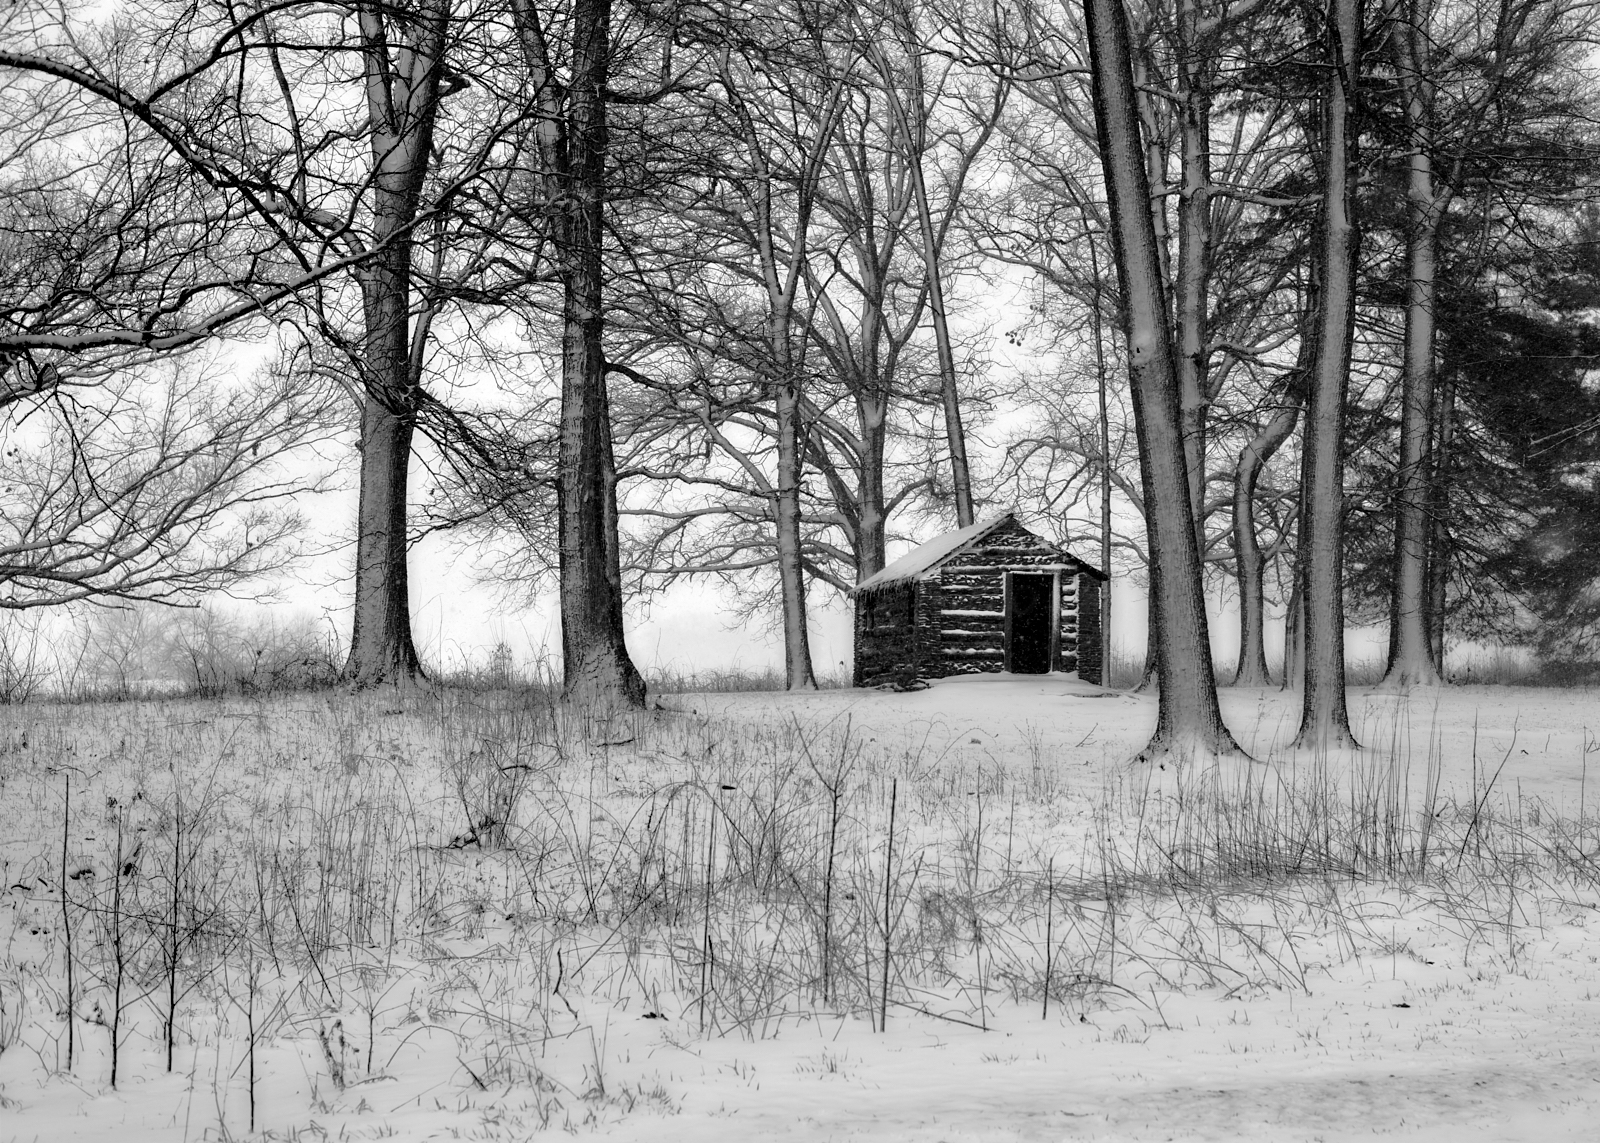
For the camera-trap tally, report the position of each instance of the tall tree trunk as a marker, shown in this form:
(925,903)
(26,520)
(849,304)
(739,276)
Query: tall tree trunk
(1294,637)
(1155,159)
(1194,251)
(1251,563)
(1097,332)
(570,139)
(1439,516)
(781,260)
(381,645)
(1324,718)
(403,64)
(1188,723)
(597,670)
(1411,658)
(782,289)
(871,540)
(791,569)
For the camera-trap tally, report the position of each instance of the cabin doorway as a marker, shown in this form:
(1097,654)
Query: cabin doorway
(1030,623)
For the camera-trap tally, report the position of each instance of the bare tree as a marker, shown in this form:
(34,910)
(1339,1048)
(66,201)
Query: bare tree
(1325,719)
(1478,55)
(1221,145)
(882,278)
(812,145)
(244,101)
(1411,659)
(1189,724)
(139,489)
(909,116)
(1250,560)
(402,64)
(569,98)
(133,467)
(723,311)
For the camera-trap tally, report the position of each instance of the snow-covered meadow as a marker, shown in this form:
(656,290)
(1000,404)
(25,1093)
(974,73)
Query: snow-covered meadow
(453,915)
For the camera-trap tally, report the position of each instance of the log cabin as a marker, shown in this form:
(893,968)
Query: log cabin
(990,597)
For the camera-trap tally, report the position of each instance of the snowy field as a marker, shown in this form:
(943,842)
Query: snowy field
(459,917)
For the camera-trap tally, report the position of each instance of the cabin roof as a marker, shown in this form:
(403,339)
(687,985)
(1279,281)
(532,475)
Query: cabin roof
(929,556)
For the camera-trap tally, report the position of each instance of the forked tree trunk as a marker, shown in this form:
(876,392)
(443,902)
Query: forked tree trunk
(597,669)
(782,282)
(1250,562)
(1411,658)
(911,125)
(782,274)
(598,673)
(1324,718)
(1188,724)
(1439,516)
(1102,389)
(791,569)
(1155,159)
(403,65)
(1194,250)
(914,135)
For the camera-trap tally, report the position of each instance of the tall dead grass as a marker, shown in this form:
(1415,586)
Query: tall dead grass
(343,870)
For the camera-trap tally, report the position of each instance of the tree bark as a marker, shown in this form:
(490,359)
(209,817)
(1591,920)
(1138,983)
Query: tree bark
(381,645)
(1096,331)
(1250,561)
(402,89)
(872,519)
(1194,251)
(1324,718)
(1411,658)
(598,673)
(597,670)
(1439,517)
(791,570)
(1188,724)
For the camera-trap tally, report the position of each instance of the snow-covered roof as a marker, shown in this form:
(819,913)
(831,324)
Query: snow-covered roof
(933,553)
(926,558)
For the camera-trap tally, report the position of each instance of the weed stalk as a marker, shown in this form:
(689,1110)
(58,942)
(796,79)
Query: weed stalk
(888,903)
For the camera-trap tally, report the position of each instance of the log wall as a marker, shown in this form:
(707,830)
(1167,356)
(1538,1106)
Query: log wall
(971,622)
(886,636)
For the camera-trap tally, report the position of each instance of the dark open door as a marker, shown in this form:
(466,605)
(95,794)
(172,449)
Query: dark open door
(1029,623)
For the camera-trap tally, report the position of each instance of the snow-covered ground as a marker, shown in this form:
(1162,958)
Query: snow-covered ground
(1014,718)
(1402,942)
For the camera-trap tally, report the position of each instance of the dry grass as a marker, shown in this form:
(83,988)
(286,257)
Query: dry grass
(344,869)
